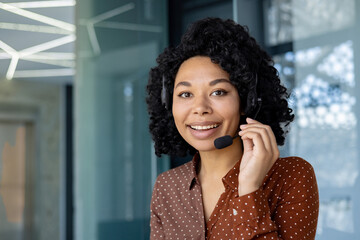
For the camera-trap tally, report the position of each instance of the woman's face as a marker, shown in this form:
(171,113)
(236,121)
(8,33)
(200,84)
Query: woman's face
(205,103)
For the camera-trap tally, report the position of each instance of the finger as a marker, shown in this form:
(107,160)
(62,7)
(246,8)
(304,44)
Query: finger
(273,142)
(248,145)
(263,133)
(250,120)
(258,143)
(253,123)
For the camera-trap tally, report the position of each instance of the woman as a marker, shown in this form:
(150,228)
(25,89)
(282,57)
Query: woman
(219,82)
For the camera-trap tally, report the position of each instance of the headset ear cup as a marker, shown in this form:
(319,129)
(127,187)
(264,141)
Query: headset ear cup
(258,107)
(165,98)
(167,101)
(253,103)
(250,102)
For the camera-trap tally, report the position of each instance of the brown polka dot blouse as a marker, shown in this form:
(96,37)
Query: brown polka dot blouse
(286,206)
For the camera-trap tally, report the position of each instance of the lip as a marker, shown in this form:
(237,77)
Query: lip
(203,133)
(202,123)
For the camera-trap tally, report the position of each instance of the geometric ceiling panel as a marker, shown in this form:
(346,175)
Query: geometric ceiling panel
(37,40)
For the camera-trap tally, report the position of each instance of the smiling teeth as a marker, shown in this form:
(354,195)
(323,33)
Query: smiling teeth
(204,127)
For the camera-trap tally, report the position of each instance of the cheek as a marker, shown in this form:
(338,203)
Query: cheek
(178,114)
(231,111)
(234,117)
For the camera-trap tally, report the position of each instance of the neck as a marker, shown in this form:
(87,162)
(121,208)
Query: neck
(217,163)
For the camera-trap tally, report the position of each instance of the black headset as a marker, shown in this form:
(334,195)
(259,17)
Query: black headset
(165,96)
(254,102)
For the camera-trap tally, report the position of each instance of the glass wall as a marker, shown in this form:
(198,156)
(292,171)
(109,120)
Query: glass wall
(30,160)
(117,44)
(36,62)
(320,71)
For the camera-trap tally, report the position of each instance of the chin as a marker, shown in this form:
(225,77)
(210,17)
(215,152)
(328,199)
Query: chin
(204,146)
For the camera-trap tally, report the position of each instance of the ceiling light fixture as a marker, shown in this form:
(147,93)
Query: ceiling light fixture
(33,28)
(93,39)
(31,50)
(14,59)
(4,55)
(45,73)
(89,23)
(43,4)
(112,13)
(130,26)
(38,17)
(12,67)
(47,45)
(9,50)
(51,56)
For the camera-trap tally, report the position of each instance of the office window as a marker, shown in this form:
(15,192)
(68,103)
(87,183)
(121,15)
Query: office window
(320,72)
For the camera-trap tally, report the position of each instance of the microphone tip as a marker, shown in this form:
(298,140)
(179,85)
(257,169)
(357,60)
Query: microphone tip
(223,142)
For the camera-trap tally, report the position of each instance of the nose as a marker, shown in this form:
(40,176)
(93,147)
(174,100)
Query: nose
(202,106)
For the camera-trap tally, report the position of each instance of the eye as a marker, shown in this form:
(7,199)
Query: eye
(219,93)
(185,95)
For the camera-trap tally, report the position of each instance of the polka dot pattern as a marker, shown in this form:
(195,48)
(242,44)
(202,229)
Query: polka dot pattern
(285,206)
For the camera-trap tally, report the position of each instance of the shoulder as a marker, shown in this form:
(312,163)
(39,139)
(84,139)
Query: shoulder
(179,176)
(292,170)
(293,164)
(295,181)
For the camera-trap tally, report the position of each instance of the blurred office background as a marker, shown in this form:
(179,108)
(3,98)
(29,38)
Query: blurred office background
(76,158)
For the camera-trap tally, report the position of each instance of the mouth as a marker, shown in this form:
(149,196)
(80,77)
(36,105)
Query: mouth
(204,127)
(203,130)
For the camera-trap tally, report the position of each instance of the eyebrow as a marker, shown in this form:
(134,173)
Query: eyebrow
(216,81)
(186,84)
(212,83)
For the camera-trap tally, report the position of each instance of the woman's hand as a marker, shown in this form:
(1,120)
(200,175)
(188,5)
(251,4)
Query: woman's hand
(260,153)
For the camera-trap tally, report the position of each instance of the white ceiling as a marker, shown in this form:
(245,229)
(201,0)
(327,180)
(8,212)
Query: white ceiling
(37,40)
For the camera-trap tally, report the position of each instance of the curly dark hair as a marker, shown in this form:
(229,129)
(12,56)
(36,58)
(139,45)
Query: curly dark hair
(250,68)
